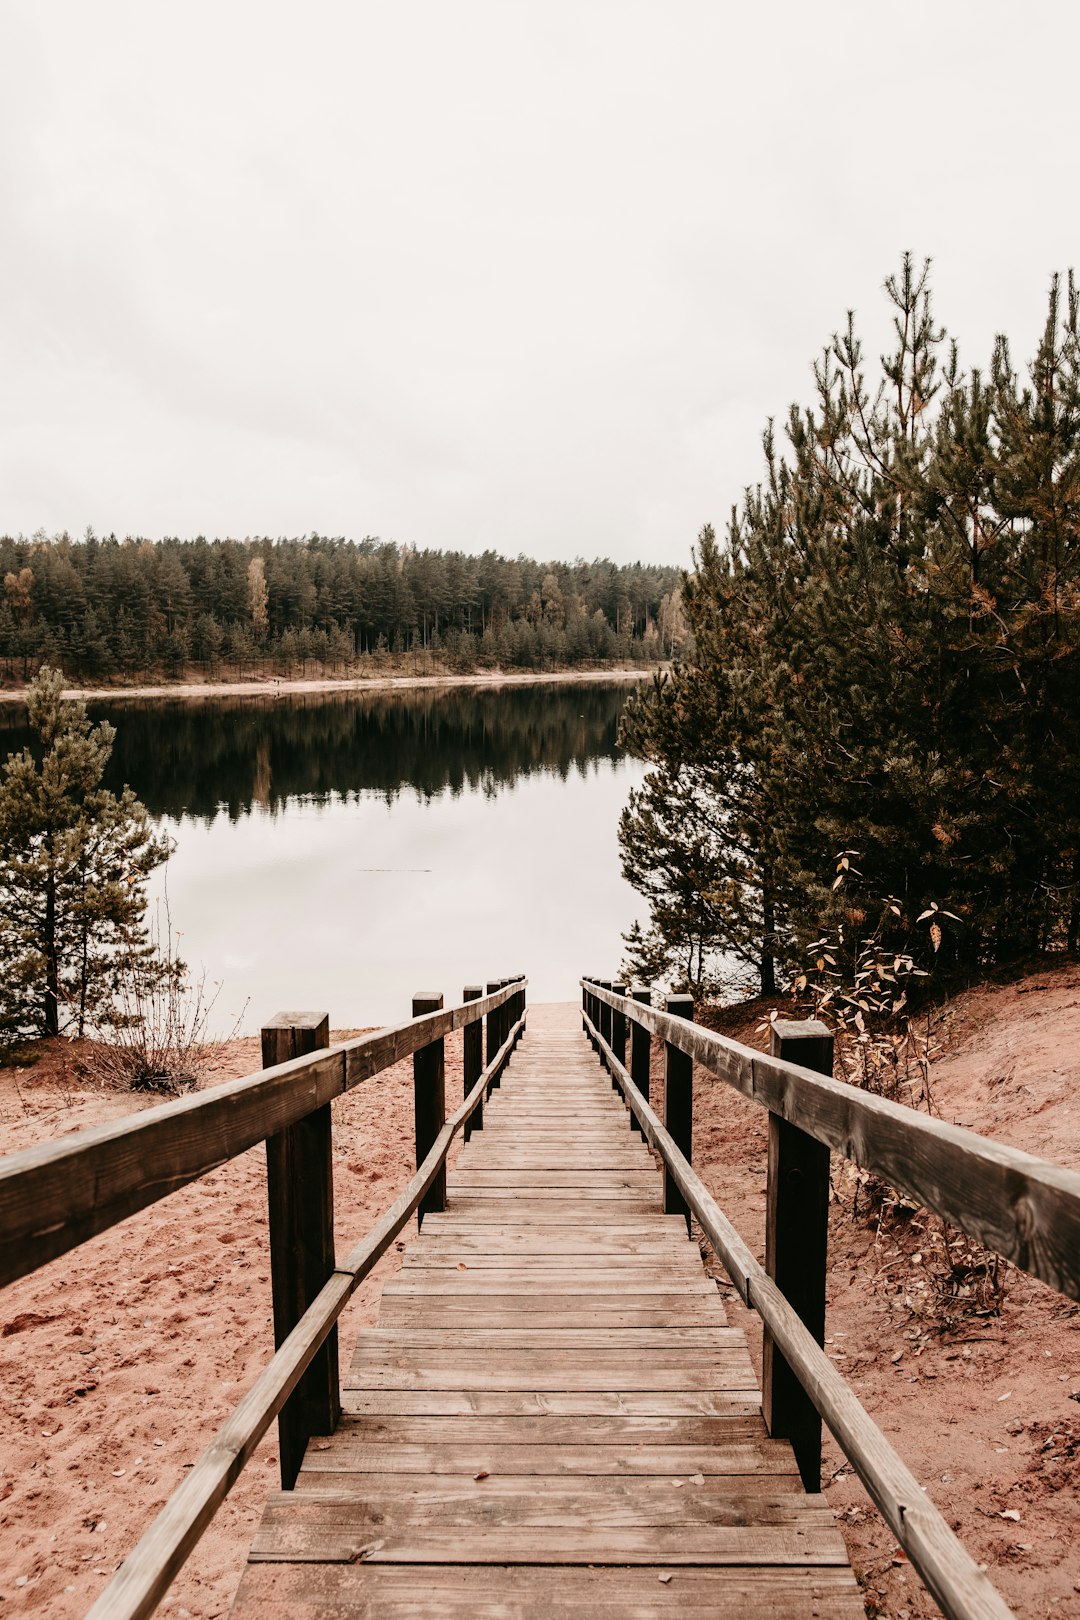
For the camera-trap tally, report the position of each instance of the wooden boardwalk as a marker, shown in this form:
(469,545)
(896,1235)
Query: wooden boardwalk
(553,1415)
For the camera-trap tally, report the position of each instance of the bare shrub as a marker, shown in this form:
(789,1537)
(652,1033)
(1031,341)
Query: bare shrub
(156,1033)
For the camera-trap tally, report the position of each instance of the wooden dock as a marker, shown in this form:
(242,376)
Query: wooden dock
(553,1415)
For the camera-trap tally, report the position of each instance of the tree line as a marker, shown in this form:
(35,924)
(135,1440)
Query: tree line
(109,608)
(879,710)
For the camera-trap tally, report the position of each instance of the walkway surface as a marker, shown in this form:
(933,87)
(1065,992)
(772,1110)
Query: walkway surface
(553,1416)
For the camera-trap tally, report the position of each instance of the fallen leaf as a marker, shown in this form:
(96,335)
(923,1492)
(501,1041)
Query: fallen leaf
(1006,1395)
(697,1479)
(483,1474)
(1010,1513)
(663,1579)
(462,1266)
(118,1473)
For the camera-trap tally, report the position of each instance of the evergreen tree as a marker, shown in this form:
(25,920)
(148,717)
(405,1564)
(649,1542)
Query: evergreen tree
(74,858)
(884,657)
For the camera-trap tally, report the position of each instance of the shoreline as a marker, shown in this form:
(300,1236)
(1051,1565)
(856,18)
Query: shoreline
(359,683)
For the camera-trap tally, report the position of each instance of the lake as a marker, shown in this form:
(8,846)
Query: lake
(340,851)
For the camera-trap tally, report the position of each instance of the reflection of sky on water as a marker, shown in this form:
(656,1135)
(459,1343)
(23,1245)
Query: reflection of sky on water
(321,906)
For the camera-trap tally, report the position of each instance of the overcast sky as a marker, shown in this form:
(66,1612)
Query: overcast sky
(528,274)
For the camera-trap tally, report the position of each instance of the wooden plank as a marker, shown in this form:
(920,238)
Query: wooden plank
(552,1429)
(544,1339)
(596,1376)
(515,1309)
(452,1222)
(362,1591)
(319,1529)
(533,1281)
(550,1403)
(562,1501)
(352,1454)
(570,1213)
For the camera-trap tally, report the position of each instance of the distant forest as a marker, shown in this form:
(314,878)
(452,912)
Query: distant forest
(117,609)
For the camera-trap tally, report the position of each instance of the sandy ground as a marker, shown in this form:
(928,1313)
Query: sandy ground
(118,1362)
(363,683)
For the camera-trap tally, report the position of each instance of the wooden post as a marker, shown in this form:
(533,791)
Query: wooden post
(679,1106)
(640,1052)
(300,1198)
(796,1245)
(618,1032)
(605,1014)
(494,1025)
(429,1104)
(519,1006)
(473,1045)
(584,1006)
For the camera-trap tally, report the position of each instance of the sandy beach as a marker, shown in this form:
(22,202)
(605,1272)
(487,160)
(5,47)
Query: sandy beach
(360,683)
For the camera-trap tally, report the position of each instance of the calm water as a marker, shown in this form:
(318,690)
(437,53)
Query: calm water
(340,852)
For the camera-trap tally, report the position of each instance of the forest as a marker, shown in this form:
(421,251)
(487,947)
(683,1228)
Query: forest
(867,761)
(109,609)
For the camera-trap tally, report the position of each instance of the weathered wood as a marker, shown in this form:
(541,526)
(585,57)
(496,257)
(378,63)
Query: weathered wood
(678,1106)
(961,1589)
(796,1246)
(62,1192)
(605,1013)
(325,1529)
(300,1200)
(618,1032)
(640,1051)
(559,1403)
(462,1591)
(1024,1208)
(548,1326)
(473,1058)
(429,1103)
(531,1485)
(146,1574)
(495,1024)
(439,1433)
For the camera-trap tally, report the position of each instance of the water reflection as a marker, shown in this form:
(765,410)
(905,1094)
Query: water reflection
(340,852)
(199,757)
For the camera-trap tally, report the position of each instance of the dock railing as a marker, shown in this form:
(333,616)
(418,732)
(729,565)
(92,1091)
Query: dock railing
(1019,1206)
(57,1195)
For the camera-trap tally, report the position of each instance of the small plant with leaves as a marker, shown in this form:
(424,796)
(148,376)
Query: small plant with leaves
(870,986)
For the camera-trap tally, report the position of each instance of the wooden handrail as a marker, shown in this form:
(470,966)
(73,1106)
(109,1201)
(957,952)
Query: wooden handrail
(1022,1207)
(961,1589)
(146,1574)
(60,1193)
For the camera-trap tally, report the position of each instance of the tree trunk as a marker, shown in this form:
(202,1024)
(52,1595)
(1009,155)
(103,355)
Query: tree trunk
(52,969)
(768,944)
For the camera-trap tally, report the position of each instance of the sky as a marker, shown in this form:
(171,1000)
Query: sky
(526,274)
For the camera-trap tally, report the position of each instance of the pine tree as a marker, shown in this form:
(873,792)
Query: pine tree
(74,858)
